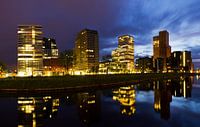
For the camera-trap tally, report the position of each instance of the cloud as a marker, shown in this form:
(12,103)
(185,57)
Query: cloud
(143,19)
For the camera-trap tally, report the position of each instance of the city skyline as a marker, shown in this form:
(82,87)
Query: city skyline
(100,63)
(131,18)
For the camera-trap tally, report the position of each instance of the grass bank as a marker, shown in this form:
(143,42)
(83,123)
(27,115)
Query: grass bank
(65,82)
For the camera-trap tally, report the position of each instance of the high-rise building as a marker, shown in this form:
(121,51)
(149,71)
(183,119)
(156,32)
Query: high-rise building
(161,47)
(123,56)
(29,48)
(180,61)
(187,61)
(50,57)
(50,48)
(86,52)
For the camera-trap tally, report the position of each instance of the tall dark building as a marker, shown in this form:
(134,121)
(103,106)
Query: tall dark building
(29,50)
(180,61)
(161,47)
(86,52)
(50,48)
(158,65)
(50,57)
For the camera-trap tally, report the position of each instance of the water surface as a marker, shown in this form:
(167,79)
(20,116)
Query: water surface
(166,103)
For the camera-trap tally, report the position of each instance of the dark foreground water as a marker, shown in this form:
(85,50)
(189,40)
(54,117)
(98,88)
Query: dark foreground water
(167,103)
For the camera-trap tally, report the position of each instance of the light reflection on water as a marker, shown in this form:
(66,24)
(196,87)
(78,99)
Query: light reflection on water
(161,103)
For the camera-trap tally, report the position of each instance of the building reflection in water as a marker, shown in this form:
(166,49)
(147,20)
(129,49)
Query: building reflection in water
(162,98)
(89,107)
(32,111)
(126,97)
(164,90)
(182,87)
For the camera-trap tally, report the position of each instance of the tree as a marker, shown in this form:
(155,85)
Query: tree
(66,59)
(2,67)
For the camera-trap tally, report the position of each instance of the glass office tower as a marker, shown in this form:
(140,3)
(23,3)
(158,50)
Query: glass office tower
(29,50)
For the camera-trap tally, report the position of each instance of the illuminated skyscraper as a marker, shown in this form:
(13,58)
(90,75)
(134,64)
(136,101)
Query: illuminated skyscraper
(123,56)
(86,52)
(161,47)
(30,53)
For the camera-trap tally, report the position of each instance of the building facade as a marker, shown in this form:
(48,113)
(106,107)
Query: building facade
(144,65)
(161,47)
(50,48)
(29,50)
(86,52)
(50,57)
(123,56)
(180,61)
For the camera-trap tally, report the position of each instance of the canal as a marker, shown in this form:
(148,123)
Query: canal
(166,103)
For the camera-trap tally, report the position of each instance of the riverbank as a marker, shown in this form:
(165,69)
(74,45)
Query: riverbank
(78,82)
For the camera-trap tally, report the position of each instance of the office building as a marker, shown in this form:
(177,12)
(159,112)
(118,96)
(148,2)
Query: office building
(180,61)
(123,56)
(108,68)
(86,52)
(161,48)
(29,50)
(50,57)
(50,48)
(144,65)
